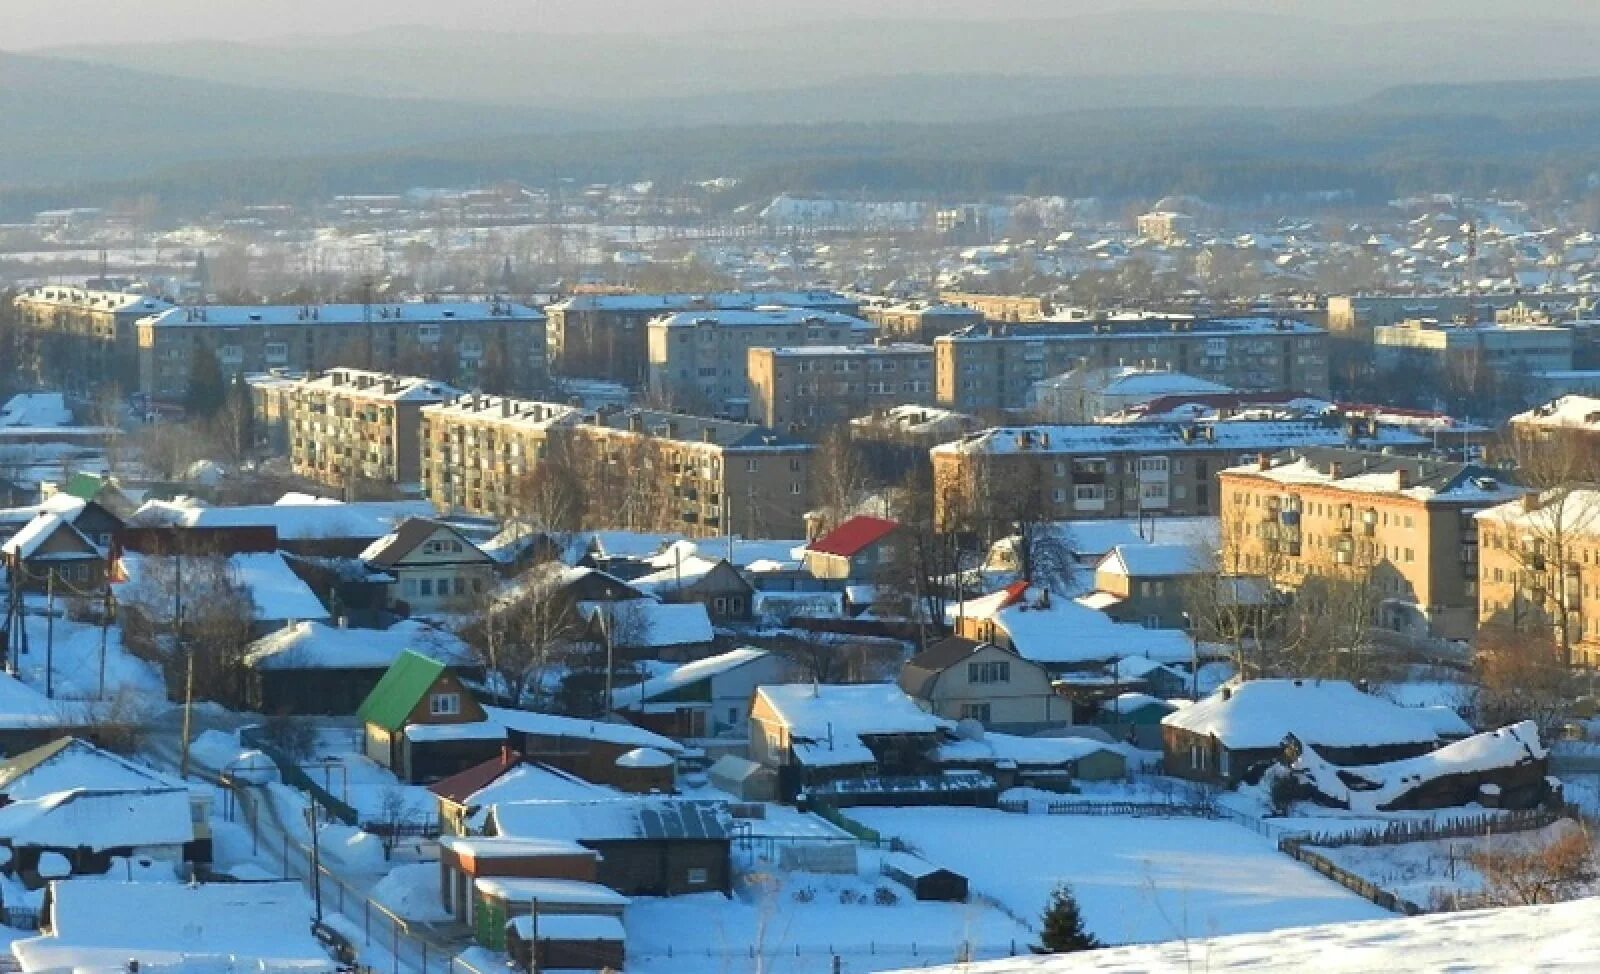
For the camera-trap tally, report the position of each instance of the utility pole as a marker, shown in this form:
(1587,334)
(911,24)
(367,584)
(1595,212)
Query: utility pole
(188,653)
(50,634)
(316,859)
(105,625)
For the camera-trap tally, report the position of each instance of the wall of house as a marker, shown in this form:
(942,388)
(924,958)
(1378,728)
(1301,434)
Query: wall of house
(666,867)
(1024,700)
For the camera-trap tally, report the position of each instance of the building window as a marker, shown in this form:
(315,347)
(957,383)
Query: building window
(444,704)
(975,711)
(995,672)
(426,585)
(697,877)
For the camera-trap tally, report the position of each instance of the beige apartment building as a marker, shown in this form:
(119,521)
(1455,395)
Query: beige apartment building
(919,321)
(494,345)
(603,336)
(699,360)
(824,385)
(984,481)
(988,371)
(1539,569)
(92,330)
(1438,345)
(349,426)
(641,470)
(1000,307)
(1407,524)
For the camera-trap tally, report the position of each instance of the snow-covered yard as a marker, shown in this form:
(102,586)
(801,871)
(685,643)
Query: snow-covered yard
(1138,879)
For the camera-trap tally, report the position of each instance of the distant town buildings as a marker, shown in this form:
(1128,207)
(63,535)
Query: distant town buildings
(349,427)
(91,330)
(1441,346)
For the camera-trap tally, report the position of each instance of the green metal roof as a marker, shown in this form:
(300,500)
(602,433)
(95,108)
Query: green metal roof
(397,693)
(85,486)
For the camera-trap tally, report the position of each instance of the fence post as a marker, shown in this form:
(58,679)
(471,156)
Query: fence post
(394,945)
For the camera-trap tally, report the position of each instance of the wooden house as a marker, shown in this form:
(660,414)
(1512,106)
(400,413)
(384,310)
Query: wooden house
(313,668)
(423,724)
(433,567)
(709,697)
(964,679)
(51,554)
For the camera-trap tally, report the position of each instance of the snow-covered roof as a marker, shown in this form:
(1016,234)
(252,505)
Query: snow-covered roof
(685,675)
(553,725)
(1021,751)
(1578,412)
(1563,938)
(1055,630)
(92,299)
(364,384)
(614,819)
(1226,435)
(724,300)
(1383,784)
(567,892)
(531,782)
(26,543)
(100,820)
(36,410)
(70,763)
(1364,472)
(295,517)
(502,847)
(1096,537)
(98,924)
(341,315)
(826,721)
(645,757)
(1557,512)
(277,593)
(313,645)
(648,624)
(569,927)
(1258,714)
(1153,560)
(482,730)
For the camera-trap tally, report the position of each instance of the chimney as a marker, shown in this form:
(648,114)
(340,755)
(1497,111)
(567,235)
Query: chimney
(1263,462)
(1530,501)
(708,434)
(505,407)
(1227,693)
(636,423)
(1402,478)
(1335,470)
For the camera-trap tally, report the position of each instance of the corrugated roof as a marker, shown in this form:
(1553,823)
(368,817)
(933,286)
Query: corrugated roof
(851,537)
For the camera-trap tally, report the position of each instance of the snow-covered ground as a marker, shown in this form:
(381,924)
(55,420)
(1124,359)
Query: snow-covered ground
(1138,879)
(75,656)
(1559,939)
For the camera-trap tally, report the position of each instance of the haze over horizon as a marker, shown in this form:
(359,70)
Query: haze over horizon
(109,22)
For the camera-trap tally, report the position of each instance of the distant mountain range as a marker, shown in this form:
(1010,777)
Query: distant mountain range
(1136,103)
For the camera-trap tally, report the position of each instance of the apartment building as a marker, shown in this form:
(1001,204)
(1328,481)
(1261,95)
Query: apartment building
(920,321)
(476,452)
(699,360)
(92,330)
(1539,568)
(494,345)
(1406,523)
(1099,471)
(642,470)
(1569,425)
(991,370)
(1000,307)
(824,385)
(1359,314)
(603,336)
(349,426)
(1164,226)
(1431,344)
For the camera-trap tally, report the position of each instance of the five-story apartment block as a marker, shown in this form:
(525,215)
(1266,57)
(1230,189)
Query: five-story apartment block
(825,385)
(348,426)
(92,330)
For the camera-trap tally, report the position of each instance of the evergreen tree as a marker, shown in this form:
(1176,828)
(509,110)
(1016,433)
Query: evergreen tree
(208,391)
(1061,929)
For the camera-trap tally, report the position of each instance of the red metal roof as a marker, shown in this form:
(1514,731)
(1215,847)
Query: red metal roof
(463,784)
(850,538)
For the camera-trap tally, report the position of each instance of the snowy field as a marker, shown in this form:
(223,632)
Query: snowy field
(1138,879)
(796,921)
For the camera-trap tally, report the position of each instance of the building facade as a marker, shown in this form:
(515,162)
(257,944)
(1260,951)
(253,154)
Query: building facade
(640,469)
(987,480)
(603,336)
(349,426)
(1539,569)
(91,330)
(1406,524)
(494,345)
(700,360)
(988,371)
(919,321)
(826,385)
(1430,343)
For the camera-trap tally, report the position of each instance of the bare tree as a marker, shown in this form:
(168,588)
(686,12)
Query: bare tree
(190,615)
(519,634)
(839,477)
(1521,676)
(1529,869)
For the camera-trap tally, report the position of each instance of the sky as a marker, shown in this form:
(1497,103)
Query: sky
(31,24)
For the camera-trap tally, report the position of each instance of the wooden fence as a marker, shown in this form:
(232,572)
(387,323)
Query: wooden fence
(1427,830)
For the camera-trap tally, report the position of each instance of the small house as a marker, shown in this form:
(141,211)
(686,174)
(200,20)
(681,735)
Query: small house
(313,668)
(645,629)
(858,550)
(79,831)
(964,679)
(815,733)
(743,779)
(50,554)
(682,574)
(1061,634)
(709,697)
(465,860)
(504,778)
(1148,582)
(571,941)
(423,724)
(925,880)
(1231,735)
(433,567)
(593,750)
(503,901)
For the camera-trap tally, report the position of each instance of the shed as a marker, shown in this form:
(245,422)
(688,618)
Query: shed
(566,942)
(925,880)
(744,779)
(501,900)
(645,769)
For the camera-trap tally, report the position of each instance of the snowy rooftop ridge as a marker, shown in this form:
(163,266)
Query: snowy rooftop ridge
(1245,434)
(1258,714)
(341,315)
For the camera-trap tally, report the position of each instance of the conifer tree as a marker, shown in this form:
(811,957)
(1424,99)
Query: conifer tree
(1061,929)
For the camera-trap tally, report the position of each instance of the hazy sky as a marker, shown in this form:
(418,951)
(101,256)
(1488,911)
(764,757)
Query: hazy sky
(35,23)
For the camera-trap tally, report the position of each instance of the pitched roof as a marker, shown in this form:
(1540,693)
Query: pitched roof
(71,762)
(458,786)
(26,543)
(390,549)
(1258,714)
(851,537)
(399,690)
(685,675)
(614,819)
